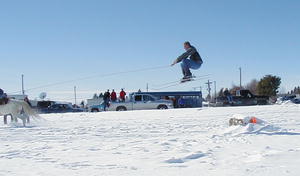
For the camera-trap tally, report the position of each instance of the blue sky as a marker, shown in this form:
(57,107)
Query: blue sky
(59,40)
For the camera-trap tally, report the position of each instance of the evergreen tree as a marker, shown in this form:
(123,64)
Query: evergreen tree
(268,85)
(296,90)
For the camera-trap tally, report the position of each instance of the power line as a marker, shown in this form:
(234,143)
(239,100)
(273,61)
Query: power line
(172,82)
(176,84)
(94,76)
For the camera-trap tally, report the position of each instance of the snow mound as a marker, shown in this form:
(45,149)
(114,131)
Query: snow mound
(186,158)
(261,127)
(258,129)
(284,102)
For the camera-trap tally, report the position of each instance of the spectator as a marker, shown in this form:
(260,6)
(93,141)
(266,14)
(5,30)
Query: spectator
(82,104)
(113,96)
(3,97)
(106,98)
(2,94)
(101,95)
(122,95)
(181,102)
(27,101)
(95,96)
(228,95)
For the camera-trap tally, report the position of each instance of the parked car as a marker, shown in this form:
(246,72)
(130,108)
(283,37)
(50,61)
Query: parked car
(288,97)
(61,108)
(291,98)
(243,98)
(41,106)
(141,102)
(296,100)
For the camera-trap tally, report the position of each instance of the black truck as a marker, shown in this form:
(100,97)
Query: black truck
(243,98)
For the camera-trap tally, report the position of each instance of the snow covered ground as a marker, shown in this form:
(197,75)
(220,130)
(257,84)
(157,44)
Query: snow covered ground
(171,142)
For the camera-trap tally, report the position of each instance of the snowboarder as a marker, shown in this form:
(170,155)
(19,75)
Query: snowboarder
(194,62)
(113,96)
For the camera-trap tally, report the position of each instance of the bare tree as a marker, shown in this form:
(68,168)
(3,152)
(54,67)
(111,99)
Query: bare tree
(252,86)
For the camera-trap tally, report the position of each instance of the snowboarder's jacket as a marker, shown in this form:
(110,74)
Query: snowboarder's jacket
(1,92)
(192,53)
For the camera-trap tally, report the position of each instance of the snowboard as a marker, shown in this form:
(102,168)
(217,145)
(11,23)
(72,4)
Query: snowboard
(187,79)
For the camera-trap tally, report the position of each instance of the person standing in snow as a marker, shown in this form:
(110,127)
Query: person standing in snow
(194,62)
(228,95)
(82,104)
(26,99)
(181,102)
(113,96)
(106,99)
(3,97)
(122,95)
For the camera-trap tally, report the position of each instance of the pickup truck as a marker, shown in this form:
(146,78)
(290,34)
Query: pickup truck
(140,102)
(243,98)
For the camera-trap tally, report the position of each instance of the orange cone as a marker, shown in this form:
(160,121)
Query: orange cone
(253,120)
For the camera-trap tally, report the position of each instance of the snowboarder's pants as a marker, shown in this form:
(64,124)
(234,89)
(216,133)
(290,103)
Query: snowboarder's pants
(188,64)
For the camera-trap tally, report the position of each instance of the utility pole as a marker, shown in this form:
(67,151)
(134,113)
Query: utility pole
(215,84)
(75,95)
(240,77)
(147,87)
(209,89)
(23,91)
